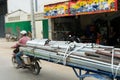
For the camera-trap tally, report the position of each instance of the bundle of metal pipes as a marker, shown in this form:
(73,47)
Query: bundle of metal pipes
(89,55)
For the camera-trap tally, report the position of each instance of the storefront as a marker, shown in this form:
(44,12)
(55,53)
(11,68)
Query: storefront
(75,16)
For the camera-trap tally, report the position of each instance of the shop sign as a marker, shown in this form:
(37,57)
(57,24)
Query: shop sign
(79,7)
(54,10)
(92,6)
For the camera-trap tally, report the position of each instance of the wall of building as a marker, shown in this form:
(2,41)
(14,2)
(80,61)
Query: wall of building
(16,16)
(20,20)
(17,21)
(3,11)
(2,29)
(39,29)
(53,1)
(15,27)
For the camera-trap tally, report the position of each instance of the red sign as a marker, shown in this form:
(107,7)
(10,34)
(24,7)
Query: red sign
(56,10)
(80,7)
(92,6)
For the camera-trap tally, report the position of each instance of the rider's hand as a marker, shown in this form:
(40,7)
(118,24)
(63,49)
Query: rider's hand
(12,47)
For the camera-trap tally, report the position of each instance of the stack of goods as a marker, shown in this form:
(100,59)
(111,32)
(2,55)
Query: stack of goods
(89,55)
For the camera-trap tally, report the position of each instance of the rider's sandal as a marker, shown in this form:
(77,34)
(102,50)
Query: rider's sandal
(19,66)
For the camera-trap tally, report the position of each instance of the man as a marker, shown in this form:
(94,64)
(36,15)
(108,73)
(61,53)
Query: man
(22,41)
(93,34)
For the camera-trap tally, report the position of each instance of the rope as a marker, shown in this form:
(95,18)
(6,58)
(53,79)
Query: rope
(66,55)
(112,63)
(116,72)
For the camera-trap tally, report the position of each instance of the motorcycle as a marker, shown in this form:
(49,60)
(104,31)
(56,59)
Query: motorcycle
(73,38)
(29,62)
(11,37)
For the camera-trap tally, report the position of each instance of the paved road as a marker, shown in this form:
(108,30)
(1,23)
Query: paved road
(50,71)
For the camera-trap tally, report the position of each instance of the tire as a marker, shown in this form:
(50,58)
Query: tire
(36,68)
(14,62)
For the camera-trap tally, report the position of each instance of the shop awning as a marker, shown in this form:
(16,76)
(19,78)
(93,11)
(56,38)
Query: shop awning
(79,7)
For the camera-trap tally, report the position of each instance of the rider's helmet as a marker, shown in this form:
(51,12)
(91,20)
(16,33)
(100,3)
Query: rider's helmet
(23,32)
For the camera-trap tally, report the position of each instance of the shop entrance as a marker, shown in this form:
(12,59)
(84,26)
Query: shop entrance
(65,25)
(79,25)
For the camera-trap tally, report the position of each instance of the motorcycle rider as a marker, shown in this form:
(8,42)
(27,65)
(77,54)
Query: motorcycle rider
(22,41)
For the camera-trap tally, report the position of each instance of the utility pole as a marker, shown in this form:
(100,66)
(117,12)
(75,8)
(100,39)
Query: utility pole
(33,20)
(36,5)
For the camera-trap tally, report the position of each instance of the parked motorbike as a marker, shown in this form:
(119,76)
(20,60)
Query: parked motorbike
(73,38)
(11,37)
(29,62)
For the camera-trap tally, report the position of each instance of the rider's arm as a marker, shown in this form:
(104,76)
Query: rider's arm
(17,44)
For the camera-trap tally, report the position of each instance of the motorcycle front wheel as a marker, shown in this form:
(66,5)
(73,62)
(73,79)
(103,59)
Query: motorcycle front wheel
(36,68)
(14,62)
